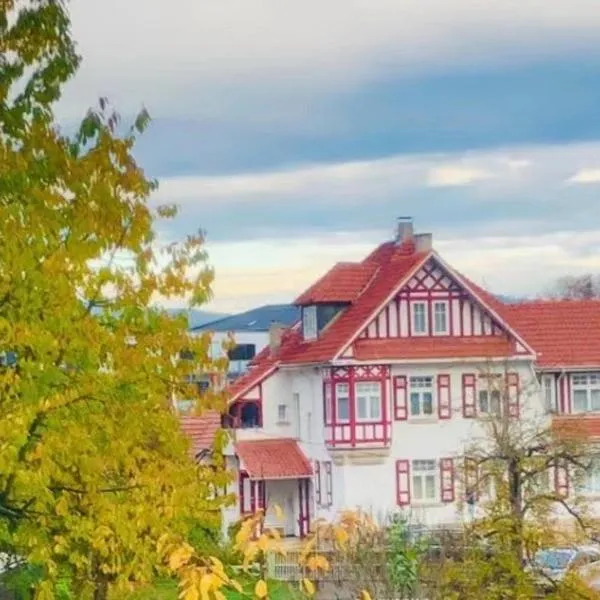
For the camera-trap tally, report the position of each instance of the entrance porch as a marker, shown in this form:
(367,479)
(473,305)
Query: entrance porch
(275,474)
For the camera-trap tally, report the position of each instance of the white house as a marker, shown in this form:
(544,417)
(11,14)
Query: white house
(369,399)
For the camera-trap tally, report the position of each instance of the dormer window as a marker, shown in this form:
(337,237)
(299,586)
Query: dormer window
(419,318)
(309,322)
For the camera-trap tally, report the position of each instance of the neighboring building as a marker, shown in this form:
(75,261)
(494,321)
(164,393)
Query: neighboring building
(369,399)
(250,332)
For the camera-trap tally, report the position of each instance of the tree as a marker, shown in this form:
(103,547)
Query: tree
(519,475)
(576,287)
(93,467)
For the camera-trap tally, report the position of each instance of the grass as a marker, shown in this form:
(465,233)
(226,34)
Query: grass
(166,589)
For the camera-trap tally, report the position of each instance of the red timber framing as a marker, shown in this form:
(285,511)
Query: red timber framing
(432,285)
(251,495)
(351,432)
(303,507)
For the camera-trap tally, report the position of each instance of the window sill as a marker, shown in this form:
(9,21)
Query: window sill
(428,504)
(287,423)
(423,420)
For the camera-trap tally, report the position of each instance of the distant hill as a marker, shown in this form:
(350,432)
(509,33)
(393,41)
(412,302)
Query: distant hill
(197,317)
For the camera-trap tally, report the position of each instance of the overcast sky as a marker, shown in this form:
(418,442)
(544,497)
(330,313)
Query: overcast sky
(295,132)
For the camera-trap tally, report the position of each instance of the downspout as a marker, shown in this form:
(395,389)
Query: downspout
(559,388)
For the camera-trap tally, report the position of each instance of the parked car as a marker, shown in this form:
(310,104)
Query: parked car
(550,566)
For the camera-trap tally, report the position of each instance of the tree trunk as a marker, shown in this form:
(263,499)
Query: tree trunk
(100,589)
(516,506)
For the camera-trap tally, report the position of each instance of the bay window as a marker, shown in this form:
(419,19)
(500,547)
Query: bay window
(368,401)
(421,396)
(586,392)
(342,402)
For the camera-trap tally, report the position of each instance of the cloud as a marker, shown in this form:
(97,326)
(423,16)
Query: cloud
(449,176)
(585,176)
(518,265)
(192,57)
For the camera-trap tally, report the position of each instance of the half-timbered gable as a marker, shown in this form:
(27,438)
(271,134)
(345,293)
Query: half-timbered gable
(433,303)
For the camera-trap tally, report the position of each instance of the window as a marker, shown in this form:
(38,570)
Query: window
(440,317)
(588,481)
(282,413)
(424,480)
(309,322)
(490,402)
(419,318)
(242,352)
(368,401)
(548,389)
(342,402)
(216,350)
(586,392)
(421,396)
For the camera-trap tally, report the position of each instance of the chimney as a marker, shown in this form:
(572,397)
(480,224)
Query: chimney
(423,242)
(275,334)
(404,230)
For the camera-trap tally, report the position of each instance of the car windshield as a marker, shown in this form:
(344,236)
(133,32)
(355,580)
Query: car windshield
(553,559)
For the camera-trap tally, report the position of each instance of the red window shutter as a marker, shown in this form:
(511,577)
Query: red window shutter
(512,387)
(561,479)
(318,482)
(447,479)
(469,395)
(327,402)
(403,482)
(444,399)
(328,483)
(400,398)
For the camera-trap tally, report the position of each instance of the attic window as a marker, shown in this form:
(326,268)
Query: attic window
(309,322)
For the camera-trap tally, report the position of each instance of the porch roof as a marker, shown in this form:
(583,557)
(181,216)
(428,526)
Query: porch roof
(280,458)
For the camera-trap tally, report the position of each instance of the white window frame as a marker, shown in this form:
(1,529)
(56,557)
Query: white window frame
(446,306)
(370,391)
(282,413)
(413,306)
(588,383)
(346,396)
(549,393)
(417,385)
(432,473)
(309,322)
(590,486)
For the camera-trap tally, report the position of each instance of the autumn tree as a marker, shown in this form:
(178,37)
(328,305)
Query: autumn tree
(519,480)
(93,467)
(576,287)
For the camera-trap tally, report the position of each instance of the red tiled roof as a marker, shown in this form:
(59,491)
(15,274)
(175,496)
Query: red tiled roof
(426,347)
(279,458)
(387,278)
(564,333)
(342,283)
(577,426)
(201,430)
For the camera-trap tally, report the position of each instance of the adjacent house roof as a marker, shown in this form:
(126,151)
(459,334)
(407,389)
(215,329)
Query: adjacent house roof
(201,430)
(257,319)
(280,458)
(564,333)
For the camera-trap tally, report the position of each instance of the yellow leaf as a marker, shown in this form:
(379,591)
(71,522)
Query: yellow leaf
(308,586)
(260,590)
(364,595)
(263,543)
(206,584)
(236,586)
(219,595)
(341,536)
(180,557)
(278,512)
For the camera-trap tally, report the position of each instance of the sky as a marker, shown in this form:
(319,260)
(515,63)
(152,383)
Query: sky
(295,133)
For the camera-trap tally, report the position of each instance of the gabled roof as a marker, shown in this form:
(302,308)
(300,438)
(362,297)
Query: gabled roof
(280,458)
(343,283)
(564,333)
(257,319)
